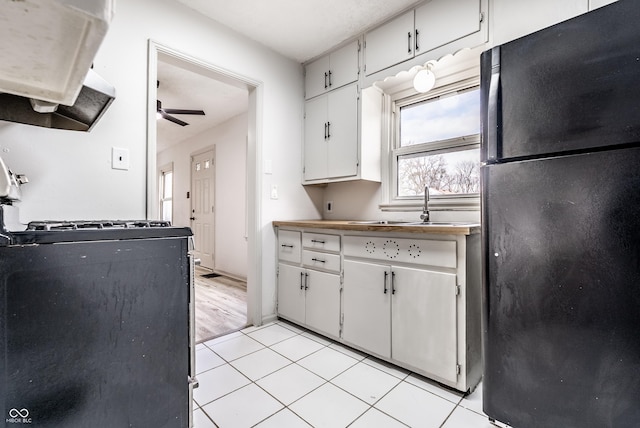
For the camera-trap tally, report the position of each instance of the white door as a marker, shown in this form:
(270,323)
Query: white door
(315,138)
(322,302)
(342,144)
(390,43)
(439,22)
(366,306)
(291,292)
(202,207)
(424,321)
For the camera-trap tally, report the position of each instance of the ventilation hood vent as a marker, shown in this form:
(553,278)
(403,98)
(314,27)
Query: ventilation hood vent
(46,51)
(92,101)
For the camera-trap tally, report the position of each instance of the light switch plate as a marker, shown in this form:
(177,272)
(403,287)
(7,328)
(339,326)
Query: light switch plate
(119,158)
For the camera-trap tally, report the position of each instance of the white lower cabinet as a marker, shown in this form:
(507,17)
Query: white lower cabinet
(309,291)
(412,301)
(309,297)
(406,314)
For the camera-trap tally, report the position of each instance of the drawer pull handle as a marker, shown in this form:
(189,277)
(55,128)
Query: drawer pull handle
(316,241)
(301,280)
(286,246)
(318,260)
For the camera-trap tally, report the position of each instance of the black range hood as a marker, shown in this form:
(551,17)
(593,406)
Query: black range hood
(93,100)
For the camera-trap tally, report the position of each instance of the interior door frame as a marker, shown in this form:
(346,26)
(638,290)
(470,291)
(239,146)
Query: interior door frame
(254,159)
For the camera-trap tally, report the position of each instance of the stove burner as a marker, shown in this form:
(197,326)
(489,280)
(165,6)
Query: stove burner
(95,224)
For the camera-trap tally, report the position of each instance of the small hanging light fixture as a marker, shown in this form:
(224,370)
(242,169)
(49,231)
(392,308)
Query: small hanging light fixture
(424,80)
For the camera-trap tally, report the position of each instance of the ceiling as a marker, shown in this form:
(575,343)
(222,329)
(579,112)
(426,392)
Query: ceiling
(298,29)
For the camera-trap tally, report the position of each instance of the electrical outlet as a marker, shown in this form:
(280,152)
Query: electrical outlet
(329,206)
(274,191)
(119,158)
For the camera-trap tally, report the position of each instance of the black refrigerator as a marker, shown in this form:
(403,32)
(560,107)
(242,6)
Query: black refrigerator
(561,223)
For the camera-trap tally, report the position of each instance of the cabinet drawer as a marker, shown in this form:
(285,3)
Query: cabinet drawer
(418,251)
(314,259)
(289,246)
(321,241)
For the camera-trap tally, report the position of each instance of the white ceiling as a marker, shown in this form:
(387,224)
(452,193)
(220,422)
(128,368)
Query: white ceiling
(298,29)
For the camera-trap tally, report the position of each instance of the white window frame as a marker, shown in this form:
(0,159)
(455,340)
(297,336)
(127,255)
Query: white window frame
(390,154)
(162,171)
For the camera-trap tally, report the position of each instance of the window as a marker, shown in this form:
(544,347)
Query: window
(436,144)
(166,193)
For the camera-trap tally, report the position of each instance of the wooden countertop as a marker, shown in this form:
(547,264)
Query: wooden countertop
(456,228)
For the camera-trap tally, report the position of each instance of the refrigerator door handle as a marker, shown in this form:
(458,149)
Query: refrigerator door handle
(494,108)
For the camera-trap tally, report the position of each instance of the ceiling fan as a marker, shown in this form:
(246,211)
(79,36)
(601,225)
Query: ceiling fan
(166,113)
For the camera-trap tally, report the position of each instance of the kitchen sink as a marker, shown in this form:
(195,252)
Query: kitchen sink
(414,223)
(382,222)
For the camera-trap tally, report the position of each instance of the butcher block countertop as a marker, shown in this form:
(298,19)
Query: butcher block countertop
(448,228)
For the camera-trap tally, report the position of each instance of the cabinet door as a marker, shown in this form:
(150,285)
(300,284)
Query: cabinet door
(316,79)
(344,66)
(342,147)
(366,307)
(439,22)
(315,141)
(424,320)
(323,302)
(291,292)
(390,43)
(516,18)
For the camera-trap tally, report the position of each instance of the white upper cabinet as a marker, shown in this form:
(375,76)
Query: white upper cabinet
(390,44)
(332,71)
(516,18)
(432,25)
(331,135)
(342,135)
(439,22)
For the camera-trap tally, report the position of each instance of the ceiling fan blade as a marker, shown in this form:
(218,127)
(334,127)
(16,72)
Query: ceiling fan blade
(172,119)
(180,111)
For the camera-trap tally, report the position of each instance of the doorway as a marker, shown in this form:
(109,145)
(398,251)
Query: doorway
(161,54)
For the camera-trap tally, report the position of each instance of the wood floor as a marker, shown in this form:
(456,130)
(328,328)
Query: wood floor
(221,305)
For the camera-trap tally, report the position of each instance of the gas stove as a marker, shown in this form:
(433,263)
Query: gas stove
(95,224)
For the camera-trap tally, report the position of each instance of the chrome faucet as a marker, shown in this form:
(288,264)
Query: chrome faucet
(425,210)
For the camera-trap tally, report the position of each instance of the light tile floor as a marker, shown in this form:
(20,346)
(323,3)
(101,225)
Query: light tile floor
(281,376)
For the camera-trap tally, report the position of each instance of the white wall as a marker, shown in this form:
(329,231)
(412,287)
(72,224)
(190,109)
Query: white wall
(230,231)
(70,172)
